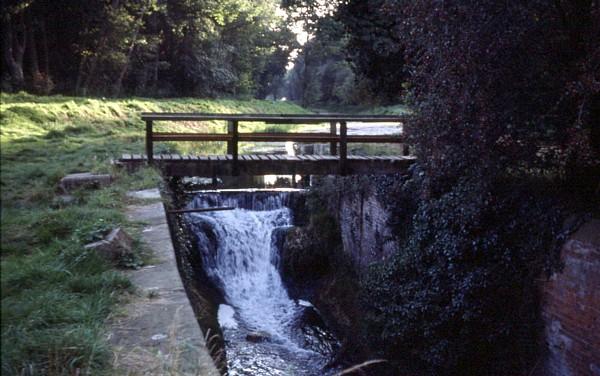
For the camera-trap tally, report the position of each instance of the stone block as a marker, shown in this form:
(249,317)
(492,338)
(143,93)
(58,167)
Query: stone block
(116,245)
(258,336)
(84,180)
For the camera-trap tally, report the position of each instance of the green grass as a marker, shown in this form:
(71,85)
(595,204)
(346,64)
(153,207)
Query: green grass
(55,295)
(395,109)
(364,148)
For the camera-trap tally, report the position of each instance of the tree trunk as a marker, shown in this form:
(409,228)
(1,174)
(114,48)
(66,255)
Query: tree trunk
(306,73)
(155,73)
(45,48)
(90,75)
(13,51)
(32,48)
(82,63)
(36,77)
(119,83)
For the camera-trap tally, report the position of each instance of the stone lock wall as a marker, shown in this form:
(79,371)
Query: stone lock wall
(571,308)
(366,236)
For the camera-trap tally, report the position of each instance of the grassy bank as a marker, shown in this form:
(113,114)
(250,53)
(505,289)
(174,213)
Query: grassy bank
(56,296)
(396,109)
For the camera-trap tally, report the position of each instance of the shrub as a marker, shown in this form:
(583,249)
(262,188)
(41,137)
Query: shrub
(309,253)
(460,295)
(502,93)
(493,86)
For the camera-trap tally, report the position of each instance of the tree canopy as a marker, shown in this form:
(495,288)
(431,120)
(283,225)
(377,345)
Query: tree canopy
(149,47)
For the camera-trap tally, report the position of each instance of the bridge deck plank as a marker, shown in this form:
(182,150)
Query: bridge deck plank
(264,164)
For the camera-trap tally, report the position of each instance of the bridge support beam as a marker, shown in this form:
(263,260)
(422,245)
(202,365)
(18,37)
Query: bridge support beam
(209,166)
(232,146)
(149,140)
(343,148)
(333,132)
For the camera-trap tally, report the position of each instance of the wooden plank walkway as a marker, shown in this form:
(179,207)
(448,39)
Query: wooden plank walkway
(269,164)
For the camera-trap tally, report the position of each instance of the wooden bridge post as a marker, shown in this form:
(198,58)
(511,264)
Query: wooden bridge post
(333,132)
(149,145)
(343,148)
(405,150)
(232,145)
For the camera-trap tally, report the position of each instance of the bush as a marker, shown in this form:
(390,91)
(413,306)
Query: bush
(309,253)
(493,87)
(502,93)
(460,296)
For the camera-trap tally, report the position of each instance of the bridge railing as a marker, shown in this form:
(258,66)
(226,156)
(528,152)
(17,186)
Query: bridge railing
(233,137)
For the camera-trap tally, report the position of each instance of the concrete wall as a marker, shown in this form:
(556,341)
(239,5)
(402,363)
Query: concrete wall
(366,235)
(571,308)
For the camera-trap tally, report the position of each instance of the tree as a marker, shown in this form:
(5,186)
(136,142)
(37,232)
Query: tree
(150,47)
(321,74)
(492,83)
(374,47)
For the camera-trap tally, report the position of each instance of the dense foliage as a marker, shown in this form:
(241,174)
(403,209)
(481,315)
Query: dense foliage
(374,48)
(506,94)
(507,100)
(321,73)
(502,88)
(461,295)
(353,57)
(150,47)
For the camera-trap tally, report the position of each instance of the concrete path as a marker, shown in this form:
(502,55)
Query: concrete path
(157,334)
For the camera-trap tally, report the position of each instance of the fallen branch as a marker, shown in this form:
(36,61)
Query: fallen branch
(359,367)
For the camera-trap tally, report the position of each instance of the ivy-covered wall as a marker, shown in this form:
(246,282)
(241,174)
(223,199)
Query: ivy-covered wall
(446,285)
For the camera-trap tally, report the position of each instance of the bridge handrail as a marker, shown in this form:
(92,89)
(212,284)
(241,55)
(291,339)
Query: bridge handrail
(233,136)
(271,118)
(274,137)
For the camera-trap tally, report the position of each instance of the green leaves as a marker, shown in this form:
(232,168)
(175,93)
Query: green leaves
(153,48)
(460,296)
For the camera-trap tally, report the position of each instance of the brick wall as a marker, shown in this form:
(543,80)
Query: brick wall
(571,308)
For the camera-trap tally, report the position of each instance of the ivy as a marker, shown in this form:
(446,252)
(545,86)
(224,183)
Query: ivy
(460,296)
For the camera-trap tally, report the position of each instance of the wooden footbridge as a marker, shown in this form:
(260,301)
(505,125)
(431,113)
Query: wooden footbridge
(337,162)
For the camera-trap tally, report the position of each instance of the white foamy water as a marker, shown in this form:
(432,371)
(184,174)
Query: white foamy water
(226,318)
(243,267)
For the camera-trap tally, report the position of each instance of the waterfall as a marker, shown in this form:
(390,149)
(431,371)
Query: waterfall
(243,267)
(255,200)
(239,252)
